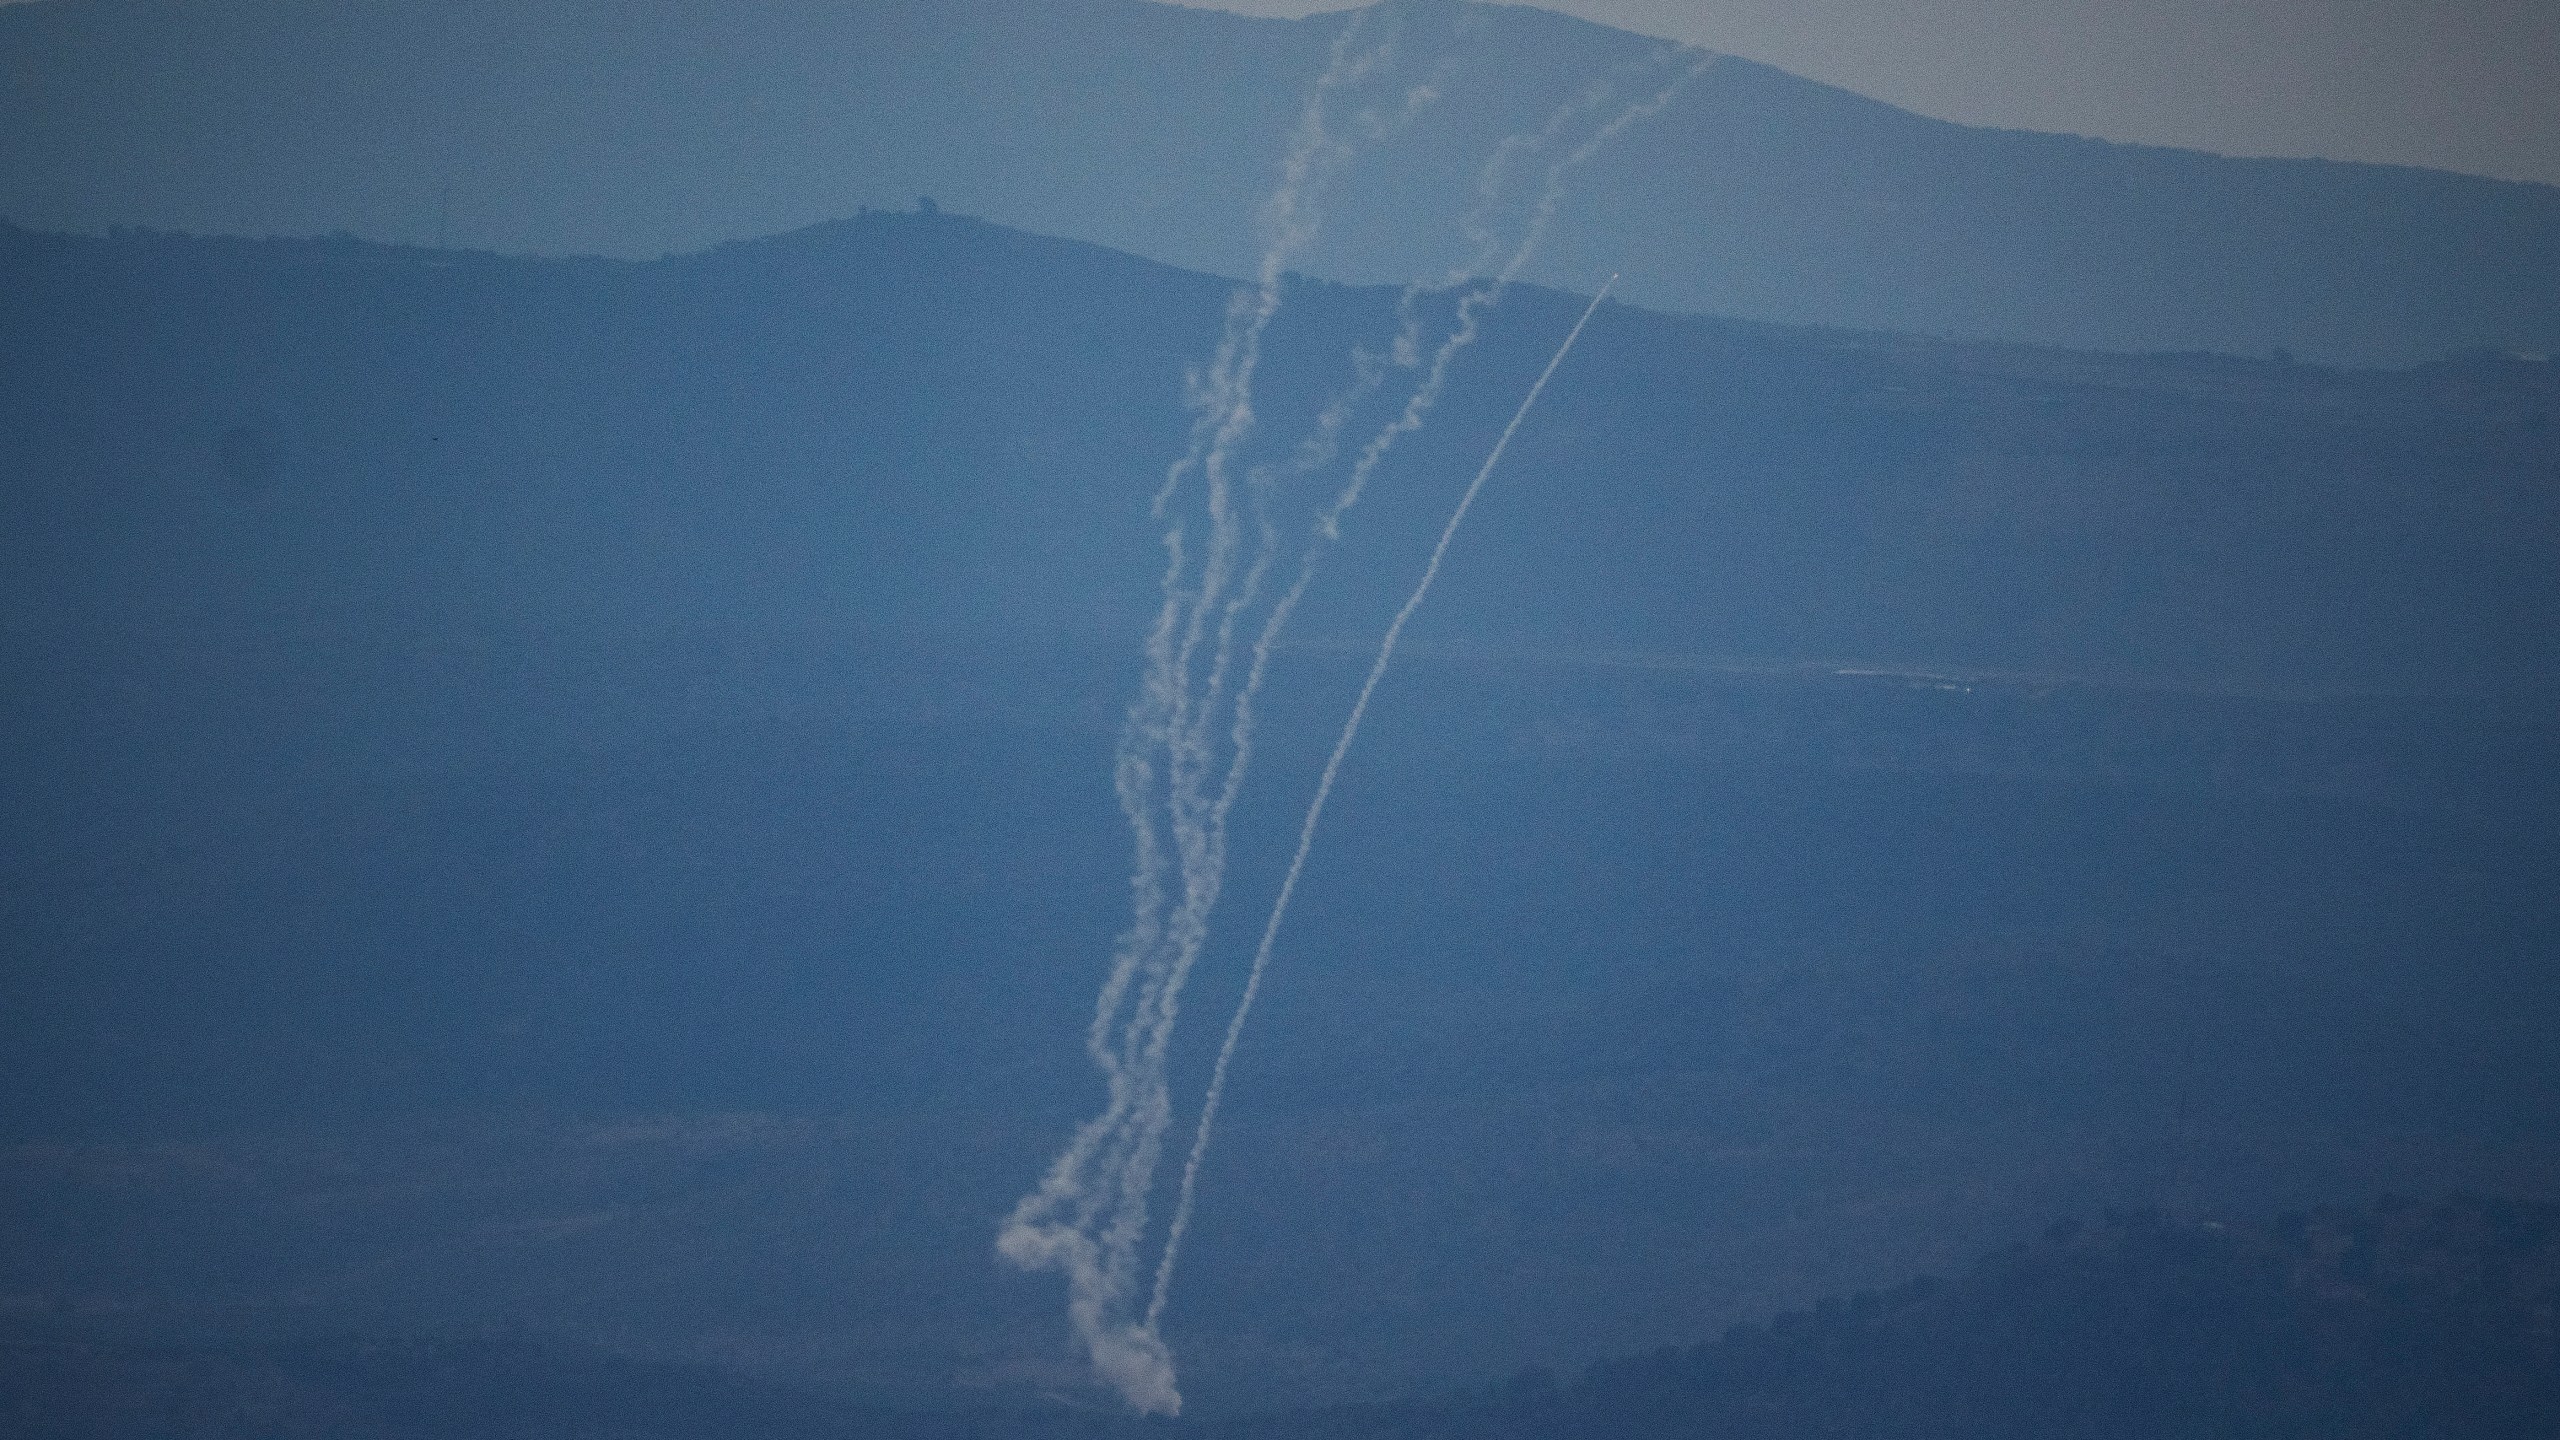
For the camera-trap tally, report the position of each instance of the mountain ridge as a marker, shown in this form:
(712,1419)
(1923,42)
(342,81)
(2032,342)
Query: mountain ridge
(1157,129)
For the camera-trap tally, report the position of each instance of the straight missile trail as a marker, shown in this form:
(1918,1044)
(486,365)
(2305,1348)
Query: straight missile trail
(1315,813)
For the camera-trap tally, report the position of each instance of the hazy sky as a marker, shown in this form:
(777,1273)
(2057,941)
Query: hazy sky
(2471,85)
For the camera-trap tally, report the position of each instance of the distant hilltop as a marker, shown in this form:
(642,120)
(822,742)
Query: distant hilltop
(530,126)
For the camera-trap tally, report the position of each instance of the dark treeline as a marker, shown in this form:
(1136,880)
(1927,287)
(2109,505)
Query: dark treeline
(2389,1322)
(2400,1319)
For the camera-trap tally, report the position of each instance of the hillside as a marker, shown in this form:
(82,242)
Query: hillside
(2397,1320)
(676,124)
(572,799)
(2402,1319)
(964,414)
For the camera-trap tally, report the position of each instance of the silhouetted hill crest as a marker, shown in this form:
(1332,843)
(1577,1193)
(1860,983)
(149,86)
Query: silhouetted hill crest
(1157,129)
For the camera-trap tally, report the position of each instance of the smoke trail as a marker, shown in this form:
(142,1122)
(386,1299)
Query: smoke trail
(1417,408)
(1088,1213)
(1477,227)
(1472,306)
(1315,813)
(1135,1141)
(1199,823)
(1419,404)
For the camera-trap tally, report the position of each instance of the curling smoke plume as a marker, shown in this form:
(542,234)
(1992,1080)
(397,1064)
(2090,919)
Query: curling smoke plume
(1417,408)
(1088,1214)
(1315,814)
(1088,1217)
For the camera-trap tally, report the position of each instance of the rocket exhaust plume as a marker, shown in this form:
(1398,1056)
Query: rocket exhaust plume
(1477,228)
(1089,1213)
(1315,815)
(1088,1216)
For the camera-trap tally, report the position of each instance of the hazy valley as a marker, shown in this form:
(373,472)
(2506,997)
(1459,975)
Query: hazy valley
(570,799)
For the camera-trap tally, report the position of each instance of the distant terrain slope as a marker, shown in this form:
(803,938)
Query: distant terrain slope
(571,799)
(553,126)
(2391,1322)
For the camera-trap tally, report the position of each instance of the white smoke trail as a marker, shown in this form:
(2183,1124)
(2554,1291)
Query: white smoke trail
(1417,408)
(1199,822)
(1419,404)
(1315,814)
(1472,306)
(1089,1212)
(1135,1129)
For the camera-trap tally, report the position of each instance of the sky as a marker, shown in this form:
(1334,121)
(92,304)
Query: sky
(2467,85)
(2456,85)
